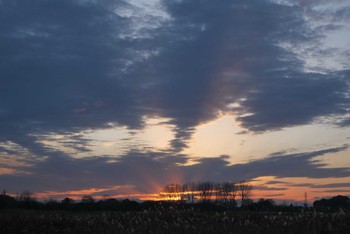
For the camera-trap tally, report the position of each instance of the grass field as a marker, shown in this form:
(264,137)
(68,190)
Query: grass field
(172,221)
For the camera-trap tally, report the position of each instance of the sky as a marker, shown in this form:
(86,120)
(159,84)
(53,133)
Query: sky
(121,97)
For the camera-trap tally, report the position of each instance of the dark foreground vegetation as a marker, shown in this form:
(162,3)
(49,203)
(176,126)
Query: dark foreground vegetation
(88,203)
(173,221)
(24,214)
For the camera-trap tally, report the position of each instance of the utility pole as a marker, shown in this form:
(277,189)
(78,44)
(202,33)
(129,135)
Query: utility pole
(305,199)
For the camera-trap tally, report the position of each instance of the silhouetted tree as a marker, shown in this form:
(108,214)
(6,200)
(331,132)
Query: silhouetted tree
(340,201)
(245,190)
(109,204)
(53,205)
(228,191)
(333,203)
(67,201)
(27,200)
(7,201)
(26,196)
(189,192)
(265,204)
(205,191)
(87,199)
(172,192)
(222,193)
(126,205)
(218,193)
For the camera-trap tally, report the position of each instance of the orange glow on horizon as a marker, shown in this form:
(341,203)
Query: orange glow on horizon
(282,189)
(296,195)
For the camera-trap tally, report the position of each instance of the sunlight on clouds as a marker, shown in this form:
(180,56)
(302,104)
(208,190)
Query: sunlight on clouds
(144,15)
(9,147)
(113,141)
(11,161)
(15,159)
(157,133)
(297,181)
(220,137)
(335,160)
(289,140)
(7,171)
(296,187)
(118,140)
(54,141)
(97,193)
(215,138)
(332,51)
(116,192)
(263,187)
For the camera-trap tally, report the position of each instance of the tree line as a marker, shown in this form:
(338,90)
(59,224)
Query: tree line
(224,193)
(26,200)
(201,196)
(333,203)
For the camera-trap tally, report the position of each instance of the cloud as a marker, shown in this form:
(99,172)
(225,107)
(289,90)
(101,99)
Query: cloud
(292,165)
(273,195)
(277,182)
(265,188)
(63,68)
(148,172)
(333,191)
(75,65)
(294,101)
(333,185)
(234,53)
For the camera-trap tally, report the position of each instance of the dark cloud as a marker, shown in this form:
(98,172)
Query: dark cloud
(302,185)
(265,188)
(294,101)
(62,68)
(62,173)
(333,185)
(333,191)
(273,195)
(277,182)
(149,171)
(70,65)
(213,55)
(292,165)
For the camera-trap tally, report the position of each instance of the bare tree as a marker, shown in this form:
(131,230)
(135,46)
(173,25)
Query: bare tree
(228,192)
(218,192)
(67,201)
(189,192)
(245,190)
(224,193)
(26,196)
(205,191)
(87,199)
(172,192)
